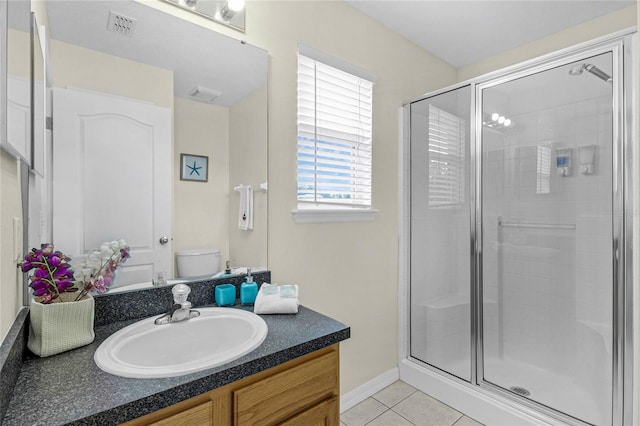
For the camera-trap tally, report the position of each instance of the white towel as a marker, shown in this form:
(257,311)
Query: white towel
(275,303)
(245,213)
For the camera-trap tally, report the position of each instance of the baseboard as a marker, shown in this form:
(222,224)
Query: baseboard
(366,390)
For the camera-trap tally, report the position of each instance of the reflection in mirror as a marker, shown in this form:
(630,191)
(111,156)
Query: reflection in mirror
(17,141)
(126,105)
(37,230)
(39,96)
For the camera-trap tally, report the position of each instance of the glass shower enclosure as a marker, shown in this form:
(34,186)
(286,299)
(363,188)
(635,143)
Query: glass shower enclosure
(518,277)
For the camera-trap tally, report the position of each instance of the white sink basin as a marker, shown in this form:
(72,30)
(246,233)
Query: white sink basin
(146,350)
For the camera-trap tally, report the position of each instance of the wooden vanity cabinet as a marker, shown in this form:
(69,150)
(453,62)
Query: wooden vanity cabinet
(303,391)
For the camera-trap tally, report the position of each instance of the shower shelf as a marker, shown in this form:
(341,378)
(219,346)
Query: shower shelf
(450,301)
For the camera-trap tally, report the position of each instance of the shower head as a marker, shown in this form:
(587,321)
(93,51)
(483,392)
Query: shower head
(598,73)
(578,69)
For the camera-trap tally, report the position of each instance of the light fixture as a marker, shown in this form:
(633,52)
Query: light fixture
(235,5)
(230,8)
(497,121)
(191,4)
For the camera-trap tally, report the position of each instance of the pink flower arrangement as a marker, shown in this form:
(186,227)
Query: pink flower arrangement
(96,271)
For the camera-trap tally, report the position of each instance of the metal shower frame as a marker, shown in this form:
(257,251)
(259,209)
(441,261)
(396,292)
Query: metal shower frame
(622,46)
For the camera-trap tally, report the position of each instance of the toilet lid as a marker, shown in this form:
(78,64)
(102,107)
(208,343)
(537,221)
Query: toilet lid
(197,252)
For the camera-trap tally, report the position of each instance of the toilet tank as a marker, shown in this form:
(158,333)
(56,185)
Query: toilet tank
(197,262)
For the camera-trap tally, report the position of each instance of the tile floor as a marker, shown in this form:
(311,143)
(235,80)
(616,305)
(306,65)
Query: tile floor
(402,405)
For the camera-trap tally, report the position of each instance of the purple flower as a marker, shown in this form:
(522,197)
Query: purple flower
(51,273)
(54,260)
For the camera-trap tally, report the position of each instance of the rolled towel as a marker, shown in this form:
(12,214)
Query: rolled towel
(274,299)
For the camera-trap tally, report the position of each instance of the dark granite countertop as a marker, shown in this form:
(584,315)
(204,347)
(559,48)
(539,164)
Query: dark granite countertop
(69,388)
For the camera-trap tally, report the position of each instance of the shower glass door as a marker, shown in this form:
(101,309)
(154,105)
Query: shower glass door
(440,228)
(547,261)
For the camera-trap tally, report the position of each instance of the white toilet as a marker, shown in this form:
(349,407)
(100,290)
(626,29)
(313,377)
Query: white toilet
(197,262)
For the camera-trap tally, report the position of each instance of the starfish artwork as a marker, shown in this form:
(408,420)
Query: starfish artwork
(194,169)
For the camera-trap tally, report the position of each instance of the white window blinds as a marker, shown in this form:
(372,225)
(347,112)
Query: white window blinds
(334,135)
(446,158)
(543,169)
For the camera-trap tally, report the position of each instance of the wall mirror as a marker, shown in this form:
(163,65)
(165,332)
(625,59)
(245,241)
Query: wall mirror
(134,88)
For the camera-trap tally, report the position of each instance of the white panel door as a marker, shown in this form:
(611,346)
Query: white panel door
(112,179)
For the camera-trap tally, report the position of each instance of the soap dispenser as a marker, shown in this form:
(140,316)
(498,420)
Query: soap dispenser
(248,290)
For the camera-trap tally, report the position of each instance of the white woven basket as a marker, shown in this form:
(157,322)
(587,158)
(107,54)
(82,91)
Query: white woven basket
(59,327)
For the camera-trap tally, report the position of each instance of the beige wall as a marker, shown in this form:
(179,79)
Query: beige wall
(78,67)
(10,204)
(607,24)
(18,53)
(10,276)
(348,270)
(248,153)
(201,209)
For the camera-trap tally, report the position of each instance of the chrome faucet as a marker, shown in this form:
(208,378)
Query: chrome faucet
(181,309)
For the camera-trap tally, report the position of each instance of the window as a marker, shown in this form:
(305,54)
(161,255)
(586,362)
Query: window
(446,158)
(334,136)
(543,169)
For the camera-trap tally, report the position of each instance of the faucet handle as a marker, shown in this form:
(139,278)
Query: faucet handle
(180,293)
(227,269)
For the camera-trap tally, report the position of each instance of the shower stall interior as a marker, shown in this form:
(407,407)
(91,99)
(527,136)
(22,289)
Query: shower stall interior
(519,245)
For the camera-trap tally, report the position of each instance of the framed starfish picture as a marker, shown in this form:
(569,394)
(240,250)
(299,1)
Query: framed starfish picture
(194,167)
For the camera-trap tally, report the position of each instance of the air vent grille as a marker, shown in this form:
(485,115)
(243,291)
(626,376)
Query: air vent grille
(204,94)
(121,24)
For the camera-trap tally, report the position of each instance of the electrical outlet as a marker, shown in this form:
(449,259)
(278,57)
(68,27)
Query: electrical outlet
(17,238)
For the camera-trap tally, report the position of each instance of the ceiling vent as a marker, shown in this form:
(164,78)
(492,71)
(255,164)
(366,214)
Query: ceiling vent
(121,24)
(204,94)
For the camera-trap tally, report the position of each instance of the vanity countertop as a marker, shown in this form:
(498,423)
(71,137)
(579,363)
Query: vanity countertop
(70,389)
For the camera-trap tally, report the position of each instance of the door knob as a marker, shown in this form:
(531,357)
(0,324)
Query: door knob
(164,240)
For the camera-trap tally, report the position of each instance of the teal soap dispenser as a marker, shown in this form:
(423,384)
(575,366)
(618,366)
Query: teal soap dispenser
(248,290)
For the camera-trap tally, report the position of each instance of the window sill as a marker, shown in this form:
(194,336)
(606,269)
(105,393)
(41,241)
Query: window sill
(333,215)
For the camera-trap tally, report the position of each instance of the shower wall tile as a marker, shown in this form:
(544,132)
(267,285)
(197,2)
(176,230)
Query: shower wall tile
(548,286)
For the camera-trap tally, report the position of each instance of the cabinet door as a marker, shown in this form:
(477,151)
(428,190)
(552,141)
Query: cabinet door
(200,415)
(276,398)
(323,414)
